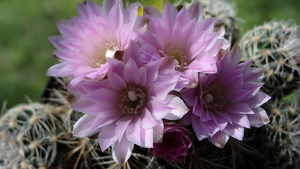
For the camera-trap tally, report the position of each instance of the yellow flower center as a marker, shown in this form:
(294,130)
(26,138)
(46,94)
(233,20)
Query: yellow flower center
(178,54)
(101,57)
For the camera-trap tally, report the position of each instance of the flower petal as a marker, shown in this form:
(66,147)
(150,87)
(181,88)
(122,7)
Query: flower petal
(236,95)
(147,120)
(179,109)
(195,10)
(103,97)
(133,132)
(259,99)
(259,118)
(147,138)
(82,127)
(158,109)
(121,150)
(116,81)
(198,129)
(107,136)
(158,131)
(235,131)
(219,139)
(189,95)
(238,108)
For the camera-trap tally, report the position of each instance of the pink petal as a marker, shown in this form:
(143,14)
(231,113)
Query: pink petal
(220,121)
(255,75)
(85,105)
(219,139)
(238,108)
(183,17)
(115,16)
(132,9)
(179,109)
(107,136)
(77,79)
(121,150)
(94,10)
(122,125)
(158,131)
(189,95)
(147,120)
(129,69)
(116,66)
(60,70)
(195,10)
(169,13)
(67,29)
(228,74)
(161,89)
(158,109)
(147,138)
(186,119)
(252,87)
(82,127)
(259,99)
(106,117)
(152,71)
(258,119)
(235,131)
(206,64)
(82,10)
(116,81)
(241,119)
(210,127)
(72,56)
(234,57)
(236,95)
(108,4)
(206,25)
(198,129)
(151,11)
(103,97)
(55,40)
(133,132)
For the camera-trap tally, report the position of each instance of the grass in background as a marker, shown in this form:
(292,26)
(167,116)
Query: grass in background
(26,53)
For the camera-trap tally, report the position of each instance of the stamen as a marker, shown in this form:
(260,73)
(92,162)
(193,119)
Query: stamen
(101,55)
(132,96)
(178,54)
(132,100)
(213,97)
(208,98)
(111,49)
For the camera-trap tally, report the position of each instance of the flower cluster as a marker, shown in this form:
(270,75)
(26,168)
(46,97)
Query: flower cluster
(144,80)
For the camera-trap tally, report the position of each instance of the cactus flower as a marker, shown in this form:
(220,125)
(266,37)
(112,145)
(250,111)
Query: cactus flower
(225,103)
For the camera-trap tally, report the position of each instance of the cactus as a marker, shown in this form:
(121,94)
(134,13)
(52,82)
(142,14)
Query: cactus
(29,134)
(274,46)
(225,13)
(40,136)
(283,132)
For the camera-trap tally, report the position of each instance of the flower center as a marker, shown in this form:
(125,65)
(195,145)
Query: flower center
(177,53)
(103,54)
(132,99)
(213,97)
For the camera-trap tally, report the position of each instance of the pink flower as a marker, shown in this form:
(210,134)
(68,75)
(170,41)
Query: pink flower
(127,108)
(185,37)
(88,40)
(226,102)
(175,143)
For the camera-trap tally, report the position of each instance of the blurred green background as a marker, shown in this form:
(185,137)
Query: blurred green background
(26,53)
